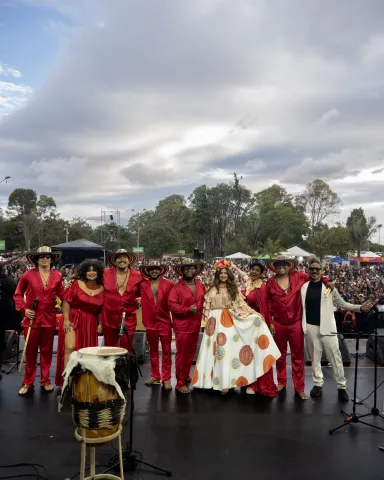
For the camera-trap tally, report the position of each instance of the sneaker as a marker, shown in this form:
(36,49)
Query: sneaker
(316,391)
(343,395)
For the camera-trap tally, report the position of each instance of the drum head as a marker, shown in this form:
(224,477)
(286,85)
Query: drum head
(103,351)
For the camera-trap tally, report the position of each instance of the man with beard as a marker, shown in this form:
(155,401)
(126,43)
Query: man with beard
(44,284)
(285,319)
(121,291)
(157,321)
(186,303)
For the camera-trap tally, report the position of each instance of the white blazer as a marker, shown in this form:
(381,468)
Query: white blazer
(327,315)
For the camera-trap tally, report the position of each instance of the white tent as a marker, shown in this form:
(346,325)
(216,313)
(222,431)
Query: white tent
(239,256)
(297,252)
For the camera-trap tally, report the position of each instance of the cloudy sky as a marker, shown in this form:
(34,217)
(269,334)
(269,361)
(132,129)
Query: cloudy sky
(115,104)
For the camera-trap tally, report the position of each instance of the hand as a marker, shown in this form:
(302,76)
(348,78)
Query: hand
(100,329)
(330,285)
(193,309)
(365,307)
(30,314)
(272,329)
(67,326)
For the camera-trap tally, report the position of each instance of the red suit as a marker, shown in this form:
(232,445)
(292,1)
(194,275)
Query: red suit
(157,322)
(115,304)
(84,313)
(257,299)
(285,309)
(186,326)
(44,323)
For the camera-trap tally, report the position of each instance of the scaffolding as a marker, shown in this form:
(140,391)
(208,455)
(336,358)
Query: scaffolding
(110,229)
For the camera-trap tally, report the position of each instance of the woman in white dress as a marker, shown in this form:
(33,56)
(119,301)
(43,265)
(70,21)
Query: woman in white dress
(237,346)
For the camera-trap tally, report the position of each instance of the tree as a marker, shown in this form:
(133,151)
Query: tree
(320,202)
(360,229)
(46,206)
(319,242)
(272,248)
(79,228)
(30,225)
(22,201)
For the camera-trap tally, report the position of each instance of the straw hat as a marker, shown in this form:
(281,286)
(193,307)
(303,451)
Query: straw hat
(271,264)
(145,269)
(32,257)
(188,262)
(132,257)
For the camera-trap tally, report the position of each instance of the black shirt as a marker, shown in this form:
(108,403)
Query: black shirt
(313,302)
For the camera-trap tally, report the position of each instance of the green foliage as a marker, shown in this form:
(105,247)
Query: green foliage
(360,230)
(22,201)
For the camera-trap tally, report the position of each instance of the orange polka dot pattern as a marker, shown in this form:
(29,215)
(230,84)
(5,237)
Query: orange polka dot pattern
(268,363)
(195,376)
(263,342)
(221,339)
(242,382)
(226,319)
(246,355)
(210,326)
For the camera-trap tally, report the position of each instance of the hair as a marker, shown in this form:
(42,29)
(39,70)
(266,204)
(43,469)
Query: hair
(314,260)
(231,283)
(82,269)
(256,263)
(36,258)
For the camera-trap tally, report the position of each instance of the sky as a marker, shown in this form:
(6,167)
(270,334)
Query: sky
(108,105)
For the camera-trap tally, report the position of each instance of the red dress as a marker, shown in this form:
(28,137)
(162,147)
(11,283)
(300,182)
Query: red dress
(257,299)
(83,315)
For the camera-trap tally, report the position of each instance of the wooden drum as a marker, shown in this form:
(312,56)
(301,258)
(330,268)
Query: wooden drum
(96,406)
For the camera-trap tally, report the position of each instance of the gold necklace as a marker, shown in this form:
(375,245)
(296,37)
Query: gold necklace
(45,280)
(125,279)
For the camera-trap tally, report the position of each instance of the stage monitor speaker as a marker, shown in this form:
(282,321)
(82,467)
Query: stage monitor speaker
(371,349)
(140,346)
(345,355)
(10,345)
(201,334)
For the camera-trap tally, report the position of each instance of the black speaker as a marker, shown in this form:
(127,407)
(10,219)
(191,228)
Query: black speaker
(371,349)
(196,254)
(140,346)
(345,355)
(10,345)
(201,334)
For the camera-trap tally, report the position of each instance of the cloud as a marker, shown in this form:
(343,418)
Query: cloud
(172,94)
(9,71)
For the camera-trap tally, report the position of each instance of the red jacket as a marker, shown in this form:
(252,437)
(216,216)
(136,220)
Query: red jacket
(156,316)
(31,285)
(257,299)
(115,304)
(180,300)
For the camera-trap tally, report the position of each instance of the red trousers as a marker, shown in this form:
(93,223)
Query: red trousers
(39,337)
(153,337)
(294,335)
(59,379)
(111,337)
(265,385)
(186,345)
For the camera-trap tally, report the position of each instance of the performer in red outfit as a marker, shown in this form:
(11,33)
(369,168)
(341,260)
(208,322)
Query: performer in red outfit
(44,284)
(121,291)
(285,316)
(157,321)
(186,302)
(255,294)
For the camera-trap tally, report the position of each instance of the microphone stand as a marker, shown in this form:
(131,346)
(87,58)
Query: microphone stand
(353,417)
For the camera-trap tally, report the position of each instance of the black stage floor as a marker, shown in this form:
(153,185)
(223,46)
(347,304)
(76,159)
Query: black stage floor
(206,435)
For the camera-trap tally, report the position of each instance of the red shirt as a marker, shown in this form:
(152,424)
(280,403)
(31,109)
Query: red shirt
(156,316)
(180,300)
(257,299)
(31,285)
(115,304)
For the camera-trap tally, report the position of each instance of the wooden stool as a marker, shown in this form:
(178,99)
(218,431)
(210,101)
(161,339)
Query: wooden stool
(93,443)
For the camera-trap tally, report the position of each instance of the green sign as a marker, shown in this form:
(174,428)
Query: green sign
(2,245)
(181,252)
(138,250)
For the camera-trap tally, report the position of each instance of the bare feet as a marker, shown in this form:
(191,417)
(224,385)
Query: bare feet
(167,385)
(47,388)
(224,391)
(153,381)
(26,390)
(250,391)
(184,389)
(280,388)
(302,395)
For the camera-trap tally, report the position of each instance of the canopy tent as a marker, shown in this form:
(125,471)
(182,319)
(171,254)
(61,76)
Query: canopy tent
(239,256)
(78,250)
(367,257)
(297,252)
(337,260)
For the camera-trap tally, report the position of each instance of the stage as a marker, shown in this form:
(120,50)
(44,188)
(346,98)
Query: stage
(207,436)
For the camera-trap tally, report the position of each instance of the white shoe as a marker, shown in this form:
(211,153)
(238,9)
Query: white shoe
(250,391)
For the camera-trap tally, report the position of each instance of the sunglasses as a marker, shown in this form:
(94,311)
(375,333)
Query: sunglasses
(281,265)
(44,256)
(314,269)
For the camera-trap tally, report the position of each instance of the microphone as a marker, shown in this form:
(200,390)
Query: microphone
(35,303)
(328,290)
(121,330)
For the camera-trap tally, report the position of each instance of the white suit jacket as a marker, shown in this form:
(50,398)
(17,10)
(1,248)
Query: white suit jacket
(327,315)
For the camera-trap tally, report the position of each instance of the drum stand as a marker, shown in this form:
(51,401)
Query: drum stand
(130,456)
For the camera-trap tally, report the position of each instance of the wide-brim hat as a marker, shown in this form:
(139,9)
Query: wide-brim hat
(32,257)
(188,262)
(271,264)
(132,257)
(145,269)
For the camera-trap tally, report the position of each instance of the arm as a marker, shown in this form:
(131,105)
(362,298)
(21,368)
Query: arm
(340,302)
(66,313)
(207,307)
(174,306)
(60,289)
(305,277)
(242,274)
(19,296)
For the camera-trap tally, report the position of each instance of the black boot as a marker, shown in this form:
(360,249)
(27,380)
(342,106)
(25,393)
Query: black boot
(343,395)
(316,391)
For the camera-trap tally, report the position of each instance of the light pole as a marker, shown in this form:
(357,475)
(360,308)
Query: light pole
(66,234)
(379,228)
(5,179)
(138,224)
